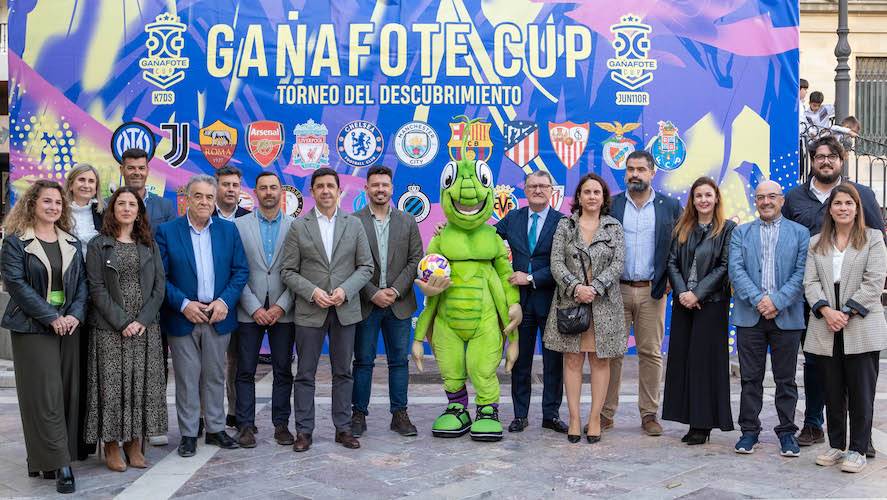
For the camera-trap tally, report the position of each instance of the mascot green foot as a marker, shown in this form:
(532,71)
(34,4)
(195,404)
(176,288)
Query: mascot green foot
(486,426)
(454,422)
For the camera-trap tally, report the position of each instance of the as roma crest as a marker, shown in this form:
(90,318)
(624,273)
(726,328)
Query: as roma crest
(504,201)
(479,145)
(521,141)
(264,140)
(569,140)
(218,142)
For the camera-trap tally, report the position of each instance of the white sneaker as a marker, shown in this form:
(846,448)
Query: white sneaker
(158,440)
(829,458)
(854,462)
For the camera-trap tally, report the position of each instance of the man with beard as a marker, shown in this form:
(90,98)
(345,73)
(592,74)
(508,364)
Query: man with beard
(387,302)
(805,204)
(265,306)
(648,219)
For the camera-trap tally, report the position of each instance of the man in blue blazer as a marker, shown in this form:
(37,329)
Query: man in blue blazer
(767,258)
(529,232)
(206,271)
(648,218)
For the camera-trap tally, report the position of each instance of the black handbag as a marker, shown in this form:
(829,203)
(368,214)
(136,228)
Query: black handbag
(576,319)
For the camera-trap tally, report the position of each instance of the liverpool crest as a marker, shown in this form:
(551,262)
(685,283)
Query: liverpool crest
(569,140)
(521,141)
(311,150)
(617,147)
(479,145)
(218,142)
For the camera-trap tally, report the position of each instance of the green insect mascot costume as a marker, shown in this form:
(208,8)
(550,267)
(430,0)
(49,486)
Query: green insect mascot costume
(467,315)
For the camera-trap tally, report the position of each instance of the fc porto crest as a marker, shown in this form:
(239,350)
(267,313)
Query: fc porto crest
(479,145)
(415,203)
(292,201)
(668,149)
(416,144)
(164,65)
(311,150)
(521,141)
(569,140)
(617,147)
(557,197)
(218,142)
(504,201)
(132,135)
(360,143)
(264,141)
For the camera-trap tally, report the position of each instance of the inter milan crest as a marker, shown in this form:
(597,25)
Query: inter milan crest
(264,140)
(218,142)
(521,141)
(360,143)
(504,201)
(415,203)
(292,201)
(617,147)
(132,135)
(416,144)
(569,140)
(479,145)
(311,150)
(668,149)
(557,197)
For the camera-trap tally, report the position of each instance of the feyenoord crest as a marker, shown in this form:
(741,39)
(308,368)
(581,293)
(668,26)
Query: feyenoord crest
(292,201)
(504,201)
(132,135)
(246,201)
(218,142)
(360,143)
(667,148)
(521,141)
(569,140)
(557,197)
(479,145)
(179,137)
(311,150)
(617,147)
(264,141)
(415,144)
(415,203)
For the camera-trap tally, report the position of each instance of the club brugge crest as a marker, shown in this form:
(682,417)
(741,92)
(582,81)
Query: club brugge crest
(360,143)
(416,144)
(557,197)
(415,203)
(569,140)
(218,142)
(668,149)
(479,145)
(311,150)
(521,141)
(132,135)
(264,140)
(617,147)
(292,201)
(504,201)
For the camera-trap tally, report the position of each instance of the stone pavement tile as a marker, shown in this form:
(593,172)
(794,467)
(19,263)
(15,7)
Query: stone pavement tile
(711,493)
(870,485)
(237,485)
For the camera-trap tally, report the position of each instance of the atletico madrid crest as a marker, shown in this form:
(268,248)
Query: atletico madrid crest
(569,140)
(521,141)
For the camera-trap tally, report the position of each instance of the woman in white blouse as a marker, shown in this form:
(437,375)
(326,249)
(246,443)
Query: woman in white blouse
(843,281)
(87,207)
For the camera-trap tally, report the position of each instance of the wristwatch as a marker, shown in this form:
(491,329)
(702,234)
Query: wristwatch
(530,278)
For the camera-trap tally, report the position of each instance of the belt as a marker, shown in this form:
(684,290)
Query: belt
(636,284)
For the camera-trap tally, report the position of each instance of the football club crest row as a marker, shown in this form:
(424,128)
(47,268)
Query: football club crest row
(360,143)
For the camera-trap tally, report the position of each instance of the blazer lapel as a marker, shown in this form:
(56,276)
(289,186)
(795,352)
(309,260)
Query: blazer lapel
(754,238)
(850,255)
(338,231)
(314,231)
(659,208)
(185,235)
(366,218)
(394,234)
(827,272)
(548,227)
(619,206)
(285,225)
(257,242)
(523,218)
(217,242)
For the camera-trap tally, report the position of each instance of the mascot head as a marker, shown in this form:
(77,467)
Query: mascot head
(466,188)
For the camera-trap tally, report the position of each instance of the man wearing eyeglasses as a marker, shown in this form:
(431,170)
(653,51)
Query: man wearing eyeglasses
(806,205)
(529,232)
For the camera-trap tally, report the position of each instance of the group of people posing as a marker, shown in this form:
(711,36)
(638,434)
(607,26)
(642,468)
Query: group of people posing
(101,290)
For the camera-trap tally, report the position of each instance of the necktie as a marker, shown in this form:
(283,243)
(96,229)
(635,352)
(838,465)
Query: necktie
(531,236)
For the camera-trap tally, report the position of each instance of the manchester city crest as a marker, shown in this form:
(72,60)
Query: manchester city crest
(416,144)
(521,141)
(617,147)
(360,143)
(311,150)
(504,201)
(415,203)
(668,149)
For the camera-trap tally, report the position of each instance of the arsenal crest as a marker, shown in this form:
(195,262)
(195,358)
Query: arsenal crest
(521,141)
(617,147)
(292,201)
(569,140)
(557,197)
(668,149)
(311,150)
(218,142)
(504,201)
(264,140)
(479,145)
(415,144)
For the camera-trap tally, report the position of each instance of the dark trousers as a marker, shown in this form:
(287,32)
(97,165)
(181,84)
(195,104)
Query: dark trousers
(397,339)
(752,344)
(521,374)
(249,342)
(850,381)
(814,385)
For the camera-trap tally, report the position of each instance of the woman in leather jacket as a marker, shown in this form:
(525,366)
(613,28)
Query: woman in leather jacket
(697,383)
(43,272)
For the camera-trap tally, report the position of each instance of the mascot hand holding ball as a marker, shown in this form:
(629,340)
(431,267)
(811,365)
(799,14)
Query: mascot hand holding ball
(470,307)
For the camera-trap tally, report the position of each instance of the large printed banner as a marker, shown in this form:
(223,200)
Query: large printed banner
(709,87)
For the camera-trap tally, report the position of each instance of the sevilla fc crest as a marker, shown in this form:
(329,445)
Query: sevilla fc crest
(569,140)
(264,141)
(218,142)
(521,141)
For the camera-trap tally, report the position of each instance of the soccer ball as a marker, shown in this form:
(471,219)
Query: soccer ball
(433,265)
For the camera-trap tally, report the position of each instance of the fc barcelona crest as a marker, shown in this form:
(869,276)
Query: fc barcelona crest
(504,201)
(569,140)
(479,145)
(521,141)
(617,147)
(668,149)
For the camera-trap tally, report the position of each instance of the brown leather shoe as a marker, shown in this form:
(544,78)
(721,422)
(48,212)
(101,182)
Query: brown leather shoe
(651,426)
(606,423)
(246,438)
(303,442)
(347,440)
(282,435)
(113,458)
(134,455)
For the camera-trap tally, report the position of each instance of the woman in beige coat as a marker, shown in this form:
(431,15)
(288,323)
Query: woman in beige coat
(843,280)
(592,241)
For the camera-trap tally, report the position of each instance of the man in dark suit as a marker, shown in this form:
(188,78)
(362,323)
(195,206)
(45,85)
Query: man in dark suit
(529,232)
(648,219)
(205,274)
(387,302)
(230,181)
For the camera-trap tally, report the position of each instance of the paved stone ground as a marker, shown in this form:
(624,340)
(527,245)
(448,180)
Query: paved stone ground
(532,464)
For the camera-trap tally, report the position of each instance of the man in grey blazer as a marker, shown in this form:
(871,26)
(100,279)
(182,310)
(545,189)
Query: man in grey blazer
(265,306)
(387,302)
(327,261)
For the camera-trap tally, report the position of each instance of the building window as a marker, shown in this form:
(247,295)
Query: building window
(871,97)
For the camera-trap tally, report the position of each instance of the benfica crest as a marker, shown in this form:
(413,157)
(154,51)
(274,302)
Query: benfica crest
(569,140)
(521,141)
(218,142)
(311,150)
(504,201)
(557,197)
(617,147)
(479,145)
(264,140)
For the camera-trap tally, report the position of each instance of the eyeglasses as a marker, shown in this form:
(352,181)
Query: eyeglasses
(537,187)
(821,158)
(769,196)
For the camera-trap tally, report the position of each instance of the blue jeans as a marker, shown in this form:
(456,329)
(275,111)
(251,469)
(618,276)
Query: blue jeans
(397,337)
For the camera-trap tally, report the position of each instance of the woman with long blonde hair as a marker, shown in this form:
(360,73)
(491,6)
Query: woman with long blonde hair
(83,192)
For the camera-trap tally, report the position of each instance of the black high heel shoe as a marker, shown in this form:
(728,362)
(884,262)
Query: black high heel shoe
(573,438)
(590,438)
(688,435)
(699,437)
(64,482)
